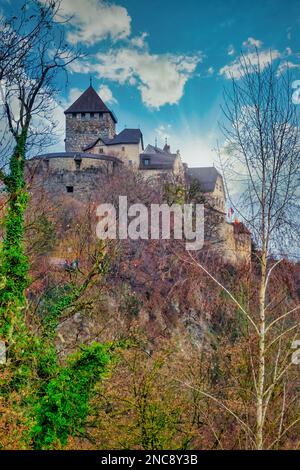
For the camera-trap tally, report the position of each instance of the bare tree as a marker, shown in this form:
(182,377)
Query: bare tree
(262,159)
(20,38)
(262,153)
(33,52)
(263,138)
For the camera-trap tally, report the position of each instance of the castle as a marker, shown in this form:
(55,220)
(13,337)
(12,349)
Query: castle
(92,146)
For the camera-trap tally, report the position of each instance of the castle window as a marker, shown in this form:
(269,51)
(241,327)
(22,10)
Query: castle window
(130,162)
(70,189)
(92,115)
(146,161)
(123,149)
(77,163)
(101,150)
(82,115)
(74,115)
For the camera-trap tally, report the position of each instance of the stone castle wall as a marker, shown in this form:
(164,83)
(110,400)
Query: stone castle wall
(127,153)
(80,131)
(57,176)
(234,247)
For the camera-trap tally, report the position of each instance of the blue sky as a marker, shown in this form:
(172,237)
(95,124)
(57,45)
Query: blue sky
(162,65)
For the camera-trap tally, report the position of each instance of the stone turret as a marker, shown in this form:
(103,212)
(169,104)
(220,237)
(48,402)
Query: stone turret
(167,147)
(87,119)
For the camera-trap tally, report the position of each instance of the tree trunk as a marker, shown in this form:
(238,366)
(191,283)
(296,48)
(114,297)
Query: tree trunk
(261,357)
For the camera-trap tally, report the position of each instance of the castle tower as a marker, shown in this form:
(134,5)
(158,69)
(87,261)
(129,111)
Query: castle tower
(87,119)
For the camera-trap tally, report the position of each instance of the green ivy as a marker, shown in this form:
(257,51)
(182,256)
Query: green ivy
(53,305)
(63,409)
(14,265)
(53,398)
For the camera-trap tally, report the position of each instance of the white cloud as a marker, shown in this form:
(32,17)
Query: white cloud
(296,93)
(235,70)
(286,65)
(288,51)
(104,91)
(210,71)
(106,95)
(251,42)
(230,50)
(94,20)
(160,78)
(139,41)
(59,118)
(74,93)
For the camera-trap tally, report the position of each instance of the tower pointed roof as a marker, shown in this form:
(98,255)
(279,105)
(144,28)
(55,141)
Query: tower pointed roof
(89,102)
